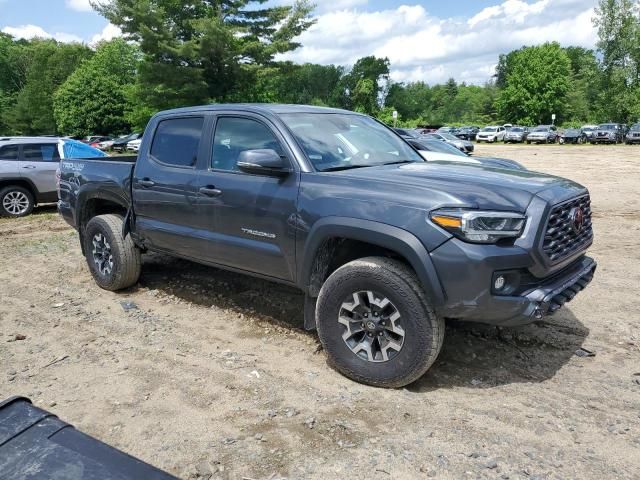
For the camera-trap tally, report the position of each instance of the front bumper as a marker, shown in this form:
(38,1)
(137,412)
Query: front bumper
(467,271)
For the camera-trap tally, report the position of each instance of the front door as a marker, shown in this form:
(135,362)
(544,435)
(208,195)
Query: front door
(164,186)
(250,218)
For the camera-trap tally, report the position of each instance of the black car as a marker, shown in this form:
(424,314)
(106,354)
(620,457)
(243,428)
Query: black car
(572,135)
(609,133)
(120,144)
(633,136)
(467,133)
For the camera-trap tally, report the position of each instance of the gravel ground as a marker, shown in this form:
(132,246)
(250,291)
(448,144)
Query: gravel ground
(211,376)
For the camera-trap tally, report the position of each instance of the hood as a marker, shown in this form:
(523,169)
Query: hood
(435,184)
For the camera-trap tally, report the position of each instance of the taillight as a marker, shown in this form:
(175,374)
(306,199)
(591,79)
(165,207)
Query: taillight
(58,176)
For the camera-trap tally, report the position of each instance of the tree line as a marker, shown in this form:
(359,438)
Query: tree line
(226,51)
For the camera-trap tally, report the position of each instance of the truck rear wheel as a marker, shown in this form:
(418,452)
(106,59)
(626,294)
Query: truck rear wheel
(114,262)
(376,324)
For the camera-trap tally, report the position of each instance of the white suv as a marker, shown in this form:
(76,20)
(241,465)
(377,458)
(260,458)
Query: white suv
(491,134)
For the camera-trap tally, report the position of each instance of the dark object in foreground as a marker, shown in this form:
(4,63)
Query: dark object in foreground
(583,352)
(35,444)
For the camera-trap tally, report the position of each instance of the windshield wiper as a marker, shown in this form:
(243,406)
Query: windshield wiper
(399,162)
(344,167)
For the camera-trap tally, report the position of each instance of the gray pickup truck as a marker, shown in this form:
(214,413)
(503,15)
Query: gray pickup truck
(385,245)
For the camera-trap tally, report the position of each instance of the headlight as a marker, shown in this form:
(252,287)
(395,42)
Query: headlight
(480,226)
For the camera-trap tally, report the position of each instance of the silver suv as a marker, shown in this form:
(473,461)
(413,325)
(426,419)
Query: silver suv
(27,173)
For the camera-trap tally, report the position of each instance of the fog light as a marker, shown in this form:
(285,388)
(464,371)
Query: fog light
(499,283)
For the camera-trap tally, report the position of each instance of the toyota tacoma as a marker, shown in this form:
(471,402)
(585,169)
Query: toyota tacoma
(384,245)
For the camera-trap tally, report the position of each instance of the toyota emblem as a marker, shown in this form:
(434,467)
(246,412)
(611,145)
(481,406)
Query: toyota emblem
(577,220)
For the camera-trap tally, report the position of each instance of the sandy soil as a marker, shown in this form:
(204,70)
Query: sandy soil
(212,376)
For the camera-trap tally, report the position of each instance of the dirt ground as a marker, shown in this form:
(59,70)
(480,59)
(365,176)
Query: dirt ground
(213,377)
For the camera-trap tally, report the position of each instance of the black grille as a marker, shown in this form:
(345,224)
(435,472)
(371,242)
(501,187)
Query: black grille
(561,239)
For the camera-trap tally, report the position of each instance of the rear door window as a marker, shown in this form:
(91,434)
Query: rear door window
(177,141)
(9,152)
(41,152)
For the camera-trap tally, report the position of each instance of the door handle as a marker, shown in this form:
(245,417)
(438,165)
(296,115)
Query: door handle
(211,191)
(146,183)
(30,167)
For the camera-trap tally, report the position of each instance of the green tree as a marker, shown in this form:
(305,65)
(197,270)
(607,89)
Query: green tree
(45,65)
(536,85)
(365,84)
(93,99)
(204,51)
(618,24)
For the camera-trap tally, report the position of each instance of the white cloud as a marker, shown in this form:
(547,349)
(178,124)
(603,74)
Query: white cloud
(108,33)
(79,5)
(33,31)
(425,47)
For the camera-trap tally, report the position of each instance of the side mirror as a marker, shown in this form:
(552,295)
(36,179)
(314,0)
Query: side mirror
(263,162)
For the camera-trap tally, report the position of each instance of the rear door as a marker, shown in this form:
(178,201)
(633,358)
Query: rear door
(9,162)
(39,164)
(250,219)
(164,186)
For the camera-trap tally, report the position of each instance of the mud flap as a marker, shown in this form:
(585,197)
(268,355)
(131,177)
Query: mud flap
(310,312)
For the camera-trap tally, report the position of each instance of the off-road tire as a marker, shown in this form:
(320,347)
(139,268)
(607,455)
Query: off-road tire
(23,193)
(127,261)
(424,330)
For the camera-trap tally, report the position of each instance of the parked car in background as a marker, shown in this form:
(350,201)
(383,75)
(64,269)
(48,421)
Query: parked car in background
(92,139)
(134,145)
(438,151)
(516,134)
(97,141)
(589,130)
(491,134)
(104,145)
(407,132)
(467,133)
(543,134)
(609,133)
(633,136)
(462,145)
(450,130)
(28,168)
(572,135)
(120,144)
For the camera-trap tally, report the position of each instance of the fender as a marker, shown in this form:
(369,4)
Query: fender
(380,234)
(87,193)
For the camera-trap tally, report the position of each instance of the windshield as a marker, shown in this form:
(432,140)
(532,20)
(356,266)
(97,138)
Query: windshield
(450,137)
(490,129)
(541,129)
(517,129)
(441,147)
(336,141)
(572,131)
(607,126)
(635,128)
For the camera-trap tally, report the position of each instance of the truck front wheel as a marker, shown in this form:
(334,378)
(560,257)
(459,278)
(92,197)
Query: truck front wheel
(376,324)
(114,262)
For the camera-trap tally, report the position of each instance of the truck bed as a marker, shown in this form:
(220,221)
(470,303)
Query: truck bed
(81,177)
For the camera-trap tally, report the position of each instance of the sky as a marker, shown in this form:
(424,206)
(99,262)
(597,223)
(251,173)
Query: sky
(429,41)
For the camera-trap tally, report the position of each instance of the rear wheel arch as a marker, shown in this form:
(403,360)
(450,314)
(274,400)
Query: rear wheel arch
(93,206)
(21,182)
